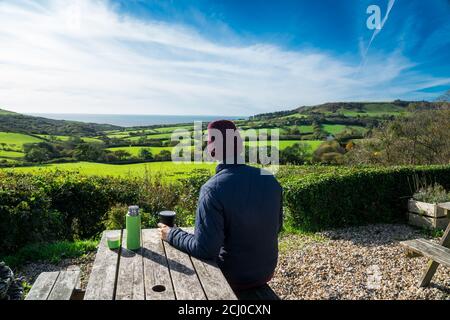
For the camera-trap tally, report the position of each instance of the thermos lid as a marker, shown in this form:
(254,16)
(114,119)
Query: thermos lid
(133,210)
(167,213)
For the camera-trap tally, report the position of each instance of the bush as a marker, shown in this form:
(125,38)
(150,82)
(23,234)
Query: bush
(189,197)
(349,196)
(434,193)
(26,213)
(116,218)
(55,206)
(84,201)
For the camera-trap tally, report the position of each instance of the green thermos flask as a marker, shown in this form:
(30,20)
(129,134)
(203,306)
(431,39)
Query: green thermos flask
(133,222)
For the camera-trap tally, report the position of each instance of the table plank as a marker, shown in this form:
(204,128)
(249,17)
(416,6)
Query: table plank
(102,281)
(429,249)
(185,281)
(64,285)
(130,279)
(212,279)
(43,286)
(156,269)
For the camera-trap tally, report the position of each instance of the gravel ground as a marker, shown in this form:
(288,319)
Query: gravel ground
(31,271)
(355,263)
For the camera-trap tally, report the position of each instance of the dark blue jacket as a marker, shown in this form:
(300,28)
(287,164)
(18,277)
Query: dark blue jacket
(238,218)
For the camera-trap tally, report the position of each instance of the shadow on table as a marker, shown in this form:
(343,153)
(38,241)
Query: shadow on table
(163,260)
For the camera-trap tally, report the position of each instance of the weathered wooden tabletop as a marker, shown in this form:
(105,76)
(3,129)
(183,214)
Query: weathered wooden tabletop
(156,271)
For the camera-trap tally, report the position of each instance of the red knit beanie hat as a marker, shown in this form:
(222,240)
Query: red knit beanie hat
(218,151)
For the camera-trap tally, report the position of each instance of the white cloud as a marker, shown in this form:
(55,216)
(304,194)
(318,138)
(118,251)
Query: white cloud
(84,57)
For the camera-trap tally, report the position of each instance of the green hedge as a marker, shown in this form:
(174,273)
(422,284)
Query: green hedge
(343,196)
(58,206)
(55,206)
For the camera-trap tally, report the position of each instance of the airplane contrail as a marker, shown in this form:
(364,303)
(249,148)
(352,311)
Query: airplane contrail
(376,32)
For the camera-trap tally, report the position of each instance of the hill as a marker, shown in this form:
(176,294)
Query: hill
(26,140)
(354,109)
(15,122)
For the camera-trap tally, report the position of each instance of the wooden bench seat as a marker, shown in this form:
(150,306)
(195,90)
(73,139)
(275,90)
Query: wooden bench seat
(437,253)
(429,249)
(59,285)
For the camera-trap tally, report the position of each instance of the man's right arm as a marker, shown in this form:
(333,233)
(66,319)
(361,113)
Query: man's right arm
(208,238)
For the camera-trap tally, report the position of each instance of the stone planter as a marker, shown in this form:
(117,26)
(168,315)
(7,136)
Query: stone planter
(428,215)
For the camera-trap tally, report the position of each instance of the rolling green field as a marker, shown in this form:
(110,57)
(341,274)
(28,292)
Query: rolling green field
(66,138)
(167,170)
(11,154)
(10,161)
(17,140)
(283,144)
(151,136)
(170,129)
(300,123)
(118,135)
(337,128)
(284,130)
(134,151)
(314,144)
(372,110)
(294,116)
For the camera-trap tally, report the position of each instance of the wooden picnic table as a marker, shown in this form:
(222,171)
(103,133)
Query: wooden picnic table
(436,253)
(156,271)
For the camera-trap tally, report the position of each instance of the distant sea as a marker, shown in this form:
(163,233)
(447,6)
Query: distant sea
(129,120)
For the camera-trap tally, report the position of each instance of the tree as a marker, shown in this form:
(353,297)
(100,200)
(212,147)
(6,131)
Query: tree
(421,138)
(145,154)
(89,152)
(122,154)
(164,155)
(295,154)
(37,154)
(50,150)
(329,152)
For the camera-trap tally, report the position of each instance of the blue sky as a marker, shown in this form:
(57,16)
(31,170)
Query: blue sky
(211,57)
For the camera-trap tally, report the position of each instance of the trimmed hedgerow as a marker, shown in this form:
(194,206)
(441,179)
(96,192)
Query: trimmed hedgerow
(351,196)
(55,206)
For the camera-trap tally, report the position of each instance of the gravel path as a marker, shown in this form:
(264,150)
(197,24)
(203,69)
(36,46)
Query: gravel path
(355,263)
(31,271)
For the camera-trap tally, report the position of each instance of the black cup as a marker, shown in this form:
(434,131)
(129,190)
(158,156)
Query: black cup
(167,218)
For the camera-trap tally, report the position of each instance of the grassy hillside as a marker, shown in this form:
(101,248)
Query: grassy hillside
(66,138)
(11,154)
(6,112)
(15,140)
(311,125)
(134,151)
(168,170)
(351,109)
(15,122)
(357,108)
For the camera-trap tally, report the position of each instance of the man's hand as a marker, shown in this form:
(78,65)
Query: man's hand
(163,231)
